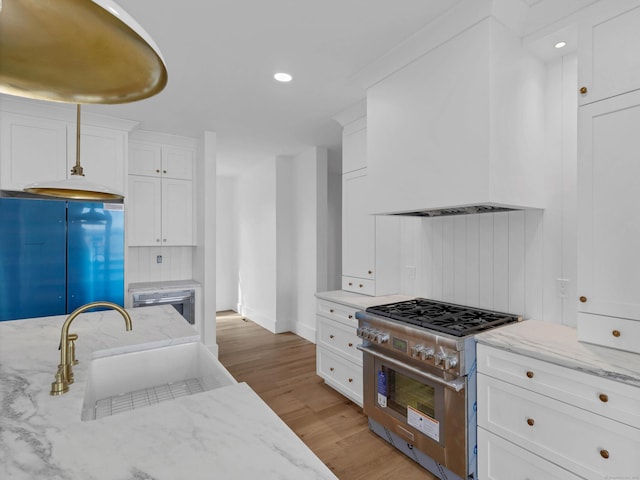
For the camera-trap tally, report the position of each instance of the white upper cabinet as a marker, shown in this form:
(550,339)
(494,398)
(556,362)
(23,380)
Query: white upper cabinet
(32,149)
(461,125)
(156,160)
(354,146)
(609,56)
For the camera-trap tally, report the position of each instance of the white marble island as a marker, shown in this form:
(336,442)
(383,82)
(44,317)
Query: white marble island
(226,433)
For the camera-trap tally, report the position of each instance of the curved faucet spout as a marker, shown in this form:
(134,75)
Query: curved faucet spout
(64,376)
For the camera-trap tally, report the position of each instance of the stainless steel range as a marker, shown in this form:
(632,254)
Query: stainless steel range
(419,379)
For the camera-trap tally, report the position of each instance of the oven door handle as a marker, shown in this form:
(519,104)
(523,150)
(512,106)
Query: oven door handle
(456,385)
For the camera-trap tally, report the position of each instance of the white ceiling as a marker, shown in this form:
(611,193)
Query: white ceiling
(221,56)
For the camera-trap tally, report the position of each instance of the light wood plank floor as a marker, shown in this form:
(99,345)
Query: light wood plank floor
(282,370)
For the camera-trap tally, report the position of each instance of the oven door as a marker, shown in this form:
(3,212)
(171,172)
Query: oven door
(427,411)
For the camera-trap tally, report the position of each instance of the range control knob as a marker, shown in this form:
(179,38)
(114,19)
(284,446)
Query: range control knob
(382,337)
(445,361)
(426,353)
(415,350)
(360,331)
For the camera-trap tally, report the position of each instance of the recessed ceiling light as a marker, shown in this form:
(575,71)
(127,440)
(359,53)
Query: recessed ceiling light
(560,44)
(283,77)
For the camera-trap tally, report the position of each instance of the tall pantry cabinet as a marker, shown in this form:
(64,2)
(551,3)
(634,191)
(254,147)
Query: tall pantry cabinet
(608,171)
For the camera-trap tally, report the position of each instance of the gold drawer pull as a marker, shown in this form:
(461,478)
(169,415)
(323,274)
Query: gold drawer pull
(616,333)
(529,374)
(331,337)
(351,380)
(350,344)
(331,310)
(370,272)
(604,453)
(361,285)
(350,284)
(583,299)
(604,398)
(583,90)
(530,422)
(331,369)
(350,316)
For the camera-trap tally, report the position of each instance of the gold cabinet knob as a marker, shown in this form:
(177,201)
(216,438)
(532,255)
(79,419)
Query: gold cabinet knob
(361,285)
(616,333)
(164,171)
(583,299)
(604,453)
(529,374)
(350,344)
(331,369)
(530,422)
(331,310)
(157,171)
(331,337)
(604,398)
(583,90)
(350,316)
(350,380)
(370,272)
(350,284)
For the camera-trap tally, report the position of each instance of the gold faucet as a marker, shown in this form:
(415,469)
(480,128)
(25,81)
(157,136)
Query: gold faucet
(64,375)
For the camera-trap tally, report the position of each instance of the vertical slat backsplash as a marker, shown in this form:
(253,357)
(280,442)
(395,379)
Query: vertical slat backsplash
(142,264)
(487,260)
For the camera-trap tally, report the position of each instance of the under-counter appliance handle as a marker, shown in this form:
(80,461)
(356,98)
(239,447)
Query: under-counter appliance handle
(161,300)
(456,385)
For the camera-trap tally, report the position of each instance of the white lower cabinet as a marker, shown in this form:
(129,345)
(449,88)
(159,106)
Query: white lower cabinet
(554,419)
(502,460)
(339,362)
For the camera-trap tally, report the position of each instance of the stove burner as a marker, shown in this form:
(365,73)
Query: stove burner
(449,318)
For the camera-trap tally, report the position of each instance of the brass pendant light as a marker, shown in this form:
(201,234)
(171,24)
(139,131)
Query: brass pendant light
(76,51)
(76,187)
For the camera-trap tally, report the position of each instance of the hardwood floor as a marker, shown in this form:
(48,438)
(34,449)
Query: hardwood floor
(282,370)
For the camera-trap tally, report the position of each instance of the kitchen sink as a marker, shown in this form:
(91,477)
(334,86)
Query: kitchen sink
(129,381)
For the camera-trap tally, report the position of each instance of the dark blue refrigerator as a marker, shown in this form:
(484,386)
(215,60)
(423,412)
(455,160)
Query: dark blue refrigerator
(57,255)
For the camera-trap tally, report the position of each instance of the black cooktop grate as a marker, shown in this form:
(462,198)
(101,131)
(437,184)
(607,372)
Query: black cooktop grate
(457,320)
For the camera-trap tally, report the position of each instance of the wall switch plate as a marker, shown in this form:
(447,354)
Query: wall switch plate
(159,259)
(562,285)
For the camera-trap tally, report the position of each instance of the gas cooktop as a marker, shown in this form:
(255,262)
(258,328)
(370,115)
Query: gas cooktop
(449,318)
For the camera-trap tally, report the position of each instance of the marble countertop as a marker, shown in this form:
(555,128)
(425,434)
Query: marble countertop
(167,285)
(559,345)
(225,433)
(357,300)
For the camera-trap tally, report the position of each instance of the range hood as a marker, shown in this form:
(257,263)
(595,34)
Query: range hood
(447,212)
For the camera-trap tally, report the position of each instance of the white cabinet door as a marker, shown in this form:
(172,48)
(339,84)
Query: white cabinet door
(358,227)
(609,56)
(145,159)
(144,211)
(102,155)
(31,149)
(354,149)
(608,196)
(177,212)
(177,162)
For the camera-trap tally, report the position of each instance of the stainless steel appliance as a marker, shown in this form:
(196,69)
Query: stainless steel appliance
(419,380)
(183,301)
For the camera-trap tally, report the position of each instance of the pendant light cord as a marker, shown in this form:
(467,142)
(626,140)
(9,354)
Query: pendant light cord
(77,168)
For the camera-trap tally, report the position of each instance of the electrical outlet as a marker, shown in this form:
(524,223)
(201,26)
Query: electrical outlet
(562,285)
(159,259)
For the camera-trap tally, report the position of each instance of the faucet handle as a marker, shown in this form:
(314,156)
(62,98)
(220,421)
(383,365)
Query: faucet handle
(72,337)
(60,385)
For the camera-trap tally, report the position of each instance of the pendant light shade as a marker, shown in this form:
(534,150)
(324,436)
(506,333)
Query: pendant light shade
(76,187)
(76,51)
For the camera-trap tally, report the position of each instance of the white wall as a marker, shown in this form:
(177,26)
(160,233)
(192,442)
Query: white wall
(256,220)
(334,220)
(226,245)
(509,261)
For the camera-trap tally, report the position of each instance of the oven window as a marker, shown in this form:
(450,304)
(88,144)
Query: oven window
(403,392)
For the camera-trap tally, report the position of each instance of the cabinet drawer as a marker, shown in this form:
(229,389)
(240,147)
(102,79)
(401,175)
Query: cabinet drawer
(587,444)
(338,338)
(499,459)
(618,333)
(340,374)
(335,311)
(599,395)
(359,285)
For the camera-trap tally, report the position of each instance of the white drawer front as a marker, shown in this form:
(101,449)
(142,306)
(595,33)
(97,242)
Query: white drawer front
(584,443)
(335,311)
(618,333)
(359,285)
(599,395)
(338,338)
(340,374)
(499,459)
